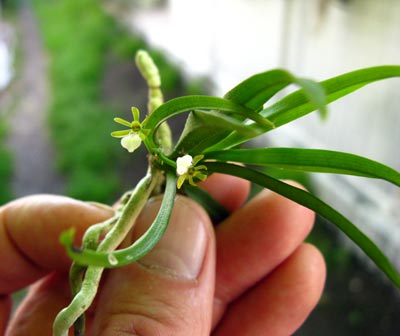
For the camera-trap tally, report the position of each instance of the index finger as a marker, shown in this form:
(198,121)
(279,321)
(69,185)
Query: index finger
(29,236)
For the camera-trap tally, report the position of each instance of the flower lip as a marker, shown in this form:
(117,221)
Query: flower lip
(131,141)
(183,164)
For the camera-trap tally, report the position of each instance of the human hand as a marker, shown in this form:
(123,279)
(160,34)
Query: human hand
(252,275)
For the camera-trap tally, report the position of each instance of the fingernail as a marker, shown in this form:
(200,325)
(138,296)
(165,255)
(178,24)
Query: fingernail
(181,250)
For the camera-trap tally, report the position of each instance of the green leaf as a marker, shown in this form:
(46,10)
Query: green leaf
(228,123)
(205,129)
(297,104)
(197,136)
(139,248)
(309,160)
(190,103)
(315,94)
(255,91)
(306,199)
(193,103)
(67,237)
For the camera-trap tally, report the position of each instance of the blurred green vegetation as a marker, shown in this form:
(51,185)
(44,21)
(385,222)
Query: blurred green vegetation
(80,37)
(6,161)
(9,7)
(6,166)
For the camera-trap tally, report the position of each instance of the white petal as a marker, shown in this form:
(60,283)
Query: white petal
(183,164)
(131,141)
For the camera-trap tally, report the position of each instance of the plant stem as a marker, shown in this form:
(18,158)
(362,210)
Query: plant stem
(76,273)
(83,299)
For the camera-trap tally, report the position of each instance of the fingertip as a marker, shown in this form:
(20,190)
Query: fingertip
(313,268)
(302,276)
(281,302)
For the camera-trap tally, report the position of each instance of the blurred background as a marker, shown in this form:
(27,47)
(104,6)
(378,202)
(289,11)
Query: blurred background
(66,69)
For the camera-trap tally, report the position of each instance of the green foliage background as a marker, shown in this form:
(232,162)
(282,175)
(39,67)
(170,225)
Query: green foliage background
(79,36)
(6,166)
(6,160)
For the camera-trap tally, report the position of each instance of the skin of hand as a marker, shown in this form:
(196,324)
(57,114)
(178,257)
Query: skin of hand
(251,275)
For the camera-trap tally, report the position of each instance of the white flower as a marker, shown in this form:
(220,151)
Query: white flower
(183,164)
(131,141)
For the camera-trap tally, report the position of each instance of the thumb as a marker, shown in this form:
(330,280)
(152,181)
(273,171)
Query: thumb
(170,291)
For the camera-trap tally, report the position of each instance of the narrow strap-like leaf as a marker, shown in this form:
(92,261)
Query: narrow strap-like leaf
(315,93)
(139,248)
(309,160)
(226,122)
(203,129)
(298,104)
(255,91)
(204,103)
(308,200)
(190,103)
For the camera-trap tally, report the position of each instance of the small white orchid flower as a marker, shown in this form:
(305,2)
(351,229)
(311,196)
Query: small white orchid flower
(132,137)
(131,141)
(186,169)
(183,164)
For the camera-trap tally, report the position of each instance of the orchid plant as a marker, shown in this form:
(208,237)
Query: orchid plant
(210,143)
